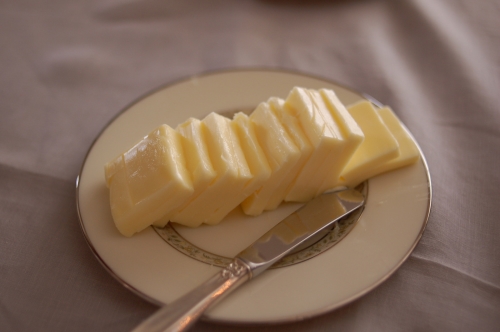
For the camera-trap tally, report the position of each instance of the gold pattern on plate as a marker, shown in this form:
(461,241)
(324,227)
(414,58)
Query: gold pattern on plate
(326,240)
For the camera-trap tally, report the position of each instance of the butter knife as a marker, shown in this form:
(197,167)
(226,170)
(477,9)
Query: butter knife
(315,216)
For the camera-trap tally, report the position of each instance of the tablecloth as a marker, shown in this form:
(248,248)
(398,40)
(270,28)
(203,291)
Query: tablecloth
(68,67)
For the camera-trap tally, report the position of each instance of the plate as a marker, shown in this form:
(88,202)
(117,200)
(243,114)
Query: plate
(392,223)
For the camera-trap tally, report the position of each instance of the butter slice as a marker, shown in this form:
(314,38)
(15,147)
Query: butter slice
(254,155)
(408,150)
(281,152)
(197,161)
(232,170)
(299,137)
(351,132)
(379,145)
(325,137)
(148,181)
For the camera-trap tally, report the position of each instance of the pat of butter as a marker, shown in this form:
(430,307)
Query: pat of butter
(148,181)
(232,170)
(281,152)
(197,161)
(350,131)
(254,155)
(408,150)
(295,131)
(379,145)
(325,137)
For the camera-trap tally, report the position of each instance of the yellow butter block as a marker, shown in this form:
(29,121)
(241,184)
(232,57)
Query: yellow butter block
(325,137)
(197,161)
(350,131)
(281,152)
(408,150)
(294,129)
(378,147)
(148,181)
(232,174)
(253,152)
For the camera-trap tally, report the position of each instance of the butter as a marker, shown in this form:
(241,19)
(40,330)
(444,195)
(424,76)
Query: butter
(232,171)
(197,161)
(294,129)
(253,152)
(408,150)
(350,131)
(281,152)
(148,181)
(326,139)
(286,150)
(379,145)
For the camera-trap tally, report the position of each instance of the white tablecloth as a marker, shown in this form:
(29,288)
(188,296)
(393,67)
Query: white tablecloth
(67,67)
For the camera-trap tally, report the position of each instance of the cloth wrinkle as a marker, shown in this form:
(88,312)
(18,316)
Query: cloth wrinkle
(442,40)
(468,126)
(12,169)
(483,282)
(148,10)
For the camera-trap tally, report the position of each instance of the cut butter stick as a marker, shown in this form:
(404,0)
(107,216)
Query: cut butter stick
(297,134)
(197,161)
(232,172)
(254,155)
(286,150)
(148,181)
(379,145)
(351,132)
(325,137)
(408,150)
(258,167)
(281,153)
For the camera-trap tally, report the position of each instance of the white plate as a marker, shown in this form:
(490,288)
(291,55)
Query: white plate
(393,221)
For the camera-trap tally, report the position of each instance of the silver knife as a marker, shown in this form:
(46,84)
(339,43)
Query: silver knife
(315,216)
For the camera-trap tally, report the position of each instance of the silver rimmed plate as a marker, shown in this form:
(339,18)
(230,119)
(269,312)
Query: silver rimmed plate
(392,223)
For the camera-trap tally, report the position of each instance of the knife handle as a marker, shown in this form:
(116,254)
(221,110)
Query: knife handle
(182,313)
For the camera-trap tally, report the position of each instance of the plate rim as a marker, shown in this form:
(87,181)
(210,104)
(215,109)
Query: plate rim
(207,73)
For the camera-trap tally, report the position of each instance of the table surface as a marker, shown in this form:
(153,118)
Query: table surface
(68,67)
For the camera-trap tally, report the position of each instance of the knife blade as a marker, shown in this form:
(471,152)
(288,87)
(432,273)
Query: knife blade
(300,226)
